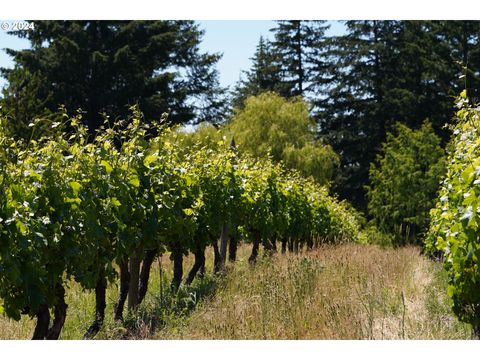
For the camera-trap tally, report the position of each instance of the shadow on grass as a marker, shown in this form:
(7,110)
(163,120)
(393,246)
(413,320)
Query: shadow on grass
(162,309)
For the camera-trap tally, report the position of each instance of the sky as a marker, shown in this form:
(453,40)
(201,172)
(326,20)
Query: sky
(235,39)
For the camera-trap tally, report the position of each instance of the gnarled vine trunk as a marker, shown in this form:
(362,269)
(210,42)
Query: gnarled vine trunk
(43,321)
(232,249)
(100,305)
(60,314)
(256,244)
(134,269)
(145,274)
(223,244)
(197,265)
(123,293)
(217,264)
(290,245)
(309,244)
(177,256)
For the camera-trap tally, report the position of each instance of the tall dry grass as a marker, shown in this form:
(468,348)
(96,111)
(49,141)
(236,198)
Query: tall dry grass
(335,292)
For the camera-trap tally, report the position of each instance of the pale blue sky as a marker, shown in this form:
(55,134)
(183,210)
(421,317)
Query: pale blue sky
(235,39)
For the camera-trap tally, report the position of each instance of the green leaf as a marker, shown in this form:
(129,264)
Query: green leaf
(76,186)
(107,166)
(149,159)
(21,227)
(73,200)
(463,94)
(188,211)
(2,310)
(116,202)
(133,180)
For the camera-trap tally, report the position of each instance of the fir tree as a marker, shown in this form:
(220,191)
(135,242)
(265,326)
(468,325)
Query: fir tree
(103,67)
(263,76)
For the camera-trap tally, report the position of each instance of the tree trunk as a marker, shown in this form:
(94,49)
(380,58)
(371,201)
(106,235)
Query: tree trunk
(223,245)
(177,268)
(274,243)
(267,247)
(145,274)
(43,321)
(100,305)
(232,249)
(199,261)
(124,285)
(134,268)
(290,245)
(216,259)
(201,271)
(60,314)
(296,245)
(310,244)
(256,244)
(476,332)
(284,246)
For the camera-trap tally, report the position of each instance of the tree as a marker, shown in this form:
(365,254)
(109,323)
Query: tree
(299,45)
(383,72)
(462,39)
(272,125)
(264,75)
(104,66)
(404,182)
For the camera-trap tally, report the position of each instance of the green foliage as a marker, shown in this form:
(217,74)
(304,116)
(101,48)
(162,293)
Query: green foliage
(271,125)
(455,231)
(71,205)
(293,64)
(381,72)
(104,66)
(404,182)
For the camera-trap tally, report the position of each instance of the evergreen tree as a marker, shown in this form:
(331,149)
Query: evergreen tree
(404,182)
(104,66)
(263,76)
(383,72)
(299,45)
(350,116)
(462,51)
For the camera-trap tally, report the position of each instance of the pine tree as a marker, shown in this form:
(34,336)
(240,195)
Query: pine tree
(103,67)
(383,72)
(299,45)
(263,76)
(350,116)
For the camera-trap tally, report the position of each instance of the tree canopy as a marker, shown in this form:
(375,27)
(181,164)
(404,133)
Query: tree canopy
(102,67)
(404,182)
(270,125)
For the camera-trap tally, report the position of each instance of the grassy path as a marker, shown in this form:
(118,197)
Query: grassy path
(337,292)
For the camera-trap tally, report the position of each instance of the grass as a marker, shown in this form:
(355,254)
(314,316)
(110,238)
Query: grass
(346,291)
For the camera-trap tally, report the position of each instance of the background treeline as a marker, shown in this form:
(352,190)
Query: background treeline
(361,83)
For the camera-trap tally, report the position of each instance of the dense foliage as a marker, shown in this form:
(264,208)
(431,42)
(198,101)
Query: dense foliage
(73,205)
(271,125)
(103,67)
(455,228)
(364,79)
(404,182)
